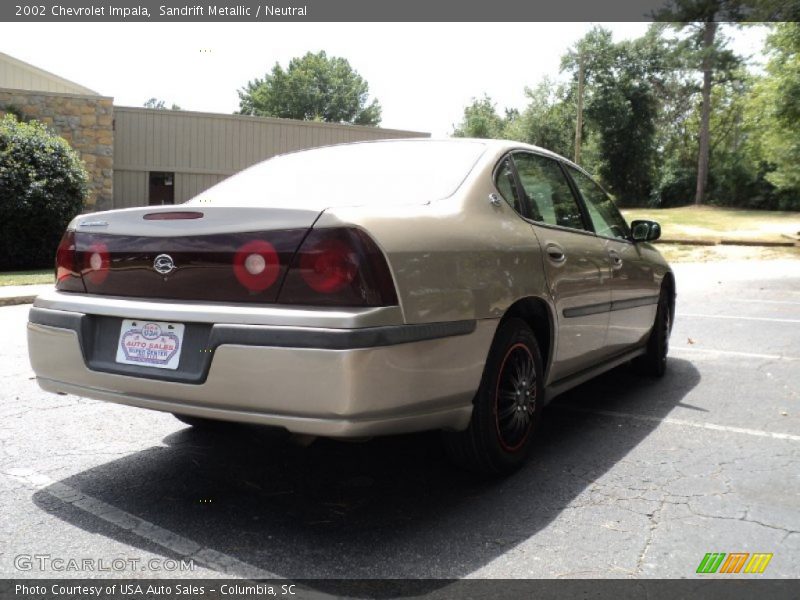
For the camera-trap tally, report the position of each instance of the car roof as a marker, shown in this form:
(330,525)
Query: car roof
(495,146)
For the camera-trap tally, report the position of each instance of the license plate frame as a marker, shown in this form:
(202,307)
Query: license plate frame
(145,343)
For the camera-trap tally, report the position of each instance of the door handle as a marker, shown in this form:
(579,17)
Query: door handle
(616,259)
(555,253)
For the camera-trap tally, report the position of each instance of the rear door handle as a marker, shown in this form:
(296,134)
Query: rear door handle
(555,253)
(616,260)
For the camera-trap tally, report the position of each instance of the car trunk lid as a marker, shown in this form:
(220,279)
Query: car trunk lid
(230,254)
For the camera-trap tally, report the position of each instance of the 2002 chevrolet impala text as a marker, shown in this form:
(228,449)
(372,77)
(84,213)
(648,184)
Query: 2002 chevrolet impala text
(362,289)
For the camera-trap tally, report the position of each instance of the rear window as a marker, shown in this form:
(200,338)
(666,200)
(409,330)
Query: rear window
(351,175)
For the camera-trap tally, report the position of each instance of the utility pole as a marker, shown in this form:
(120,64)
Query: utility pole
(579,120)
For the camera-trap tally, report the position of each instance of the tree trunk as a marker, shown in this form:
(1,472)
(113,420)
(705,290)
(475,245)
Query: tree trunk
(579,120)
(709,32)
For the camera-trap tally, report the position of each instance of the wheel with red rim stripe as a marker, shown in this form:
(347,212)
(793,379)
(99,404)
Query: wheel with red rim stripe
(515,397)
(507,406)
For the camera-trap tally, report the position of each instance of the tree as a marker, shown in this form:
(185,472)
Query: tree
(701,18)
(481,120)
(776,109)
(589,56)
(159,104)
(312,88)
(547,121)
(42,187)
(621,107)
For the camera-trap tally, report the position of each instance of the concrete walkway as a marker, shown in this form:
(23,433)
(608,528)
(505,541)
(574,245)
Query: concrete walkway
(21,294)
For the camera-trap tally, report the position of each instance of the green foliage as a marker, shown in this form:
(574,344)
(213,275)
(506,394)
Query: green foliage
(547,121)
(481,120)
(775,106)
(42,187)
(643,101)
(160,105)
(12,109)
(313,88)
(621,108)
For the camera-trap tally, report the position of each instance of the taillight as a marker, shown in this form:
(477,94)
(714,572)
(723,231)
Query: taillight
(67,276)
(320,267)
(328,266)
(338,267)
(256,265)
(173,215)
(97,263)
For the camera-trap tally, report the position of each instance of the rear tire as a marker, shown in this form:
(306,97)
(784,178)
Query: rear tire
(507,407)
(653,362)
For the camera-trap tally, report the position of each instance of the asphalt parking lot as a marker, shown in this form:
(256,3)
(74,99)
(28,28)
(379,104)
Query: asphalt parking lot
(630,477)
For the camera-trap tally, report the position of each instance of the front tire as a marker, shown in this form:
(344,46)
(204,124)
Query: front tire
(654,361)
(507,407)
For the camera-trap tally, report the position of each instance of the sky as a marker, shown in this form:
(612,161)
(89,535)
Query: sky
(423,74)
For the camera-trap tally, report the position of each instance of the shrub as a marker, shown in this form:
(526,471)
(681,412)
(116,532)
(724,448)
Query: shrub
(43,185)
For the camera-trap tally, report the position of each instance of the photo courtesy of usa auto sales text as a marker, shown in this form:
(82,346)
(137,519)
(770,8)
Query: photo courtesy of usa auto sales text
(134,590)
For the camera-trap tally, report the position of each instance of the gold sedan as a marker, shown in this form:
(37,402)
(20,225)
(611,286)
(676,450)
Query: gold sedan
(359,290)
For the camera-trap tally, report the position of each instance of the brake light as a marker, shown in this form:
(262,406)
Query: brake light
(328,266)
(173,215)
(97,263)
(338,267)
(318,267)
(256,265)
(67,276)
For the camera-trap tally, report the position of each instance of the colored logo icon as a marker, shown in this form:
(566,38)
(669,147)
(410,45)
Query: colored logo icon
(735,562)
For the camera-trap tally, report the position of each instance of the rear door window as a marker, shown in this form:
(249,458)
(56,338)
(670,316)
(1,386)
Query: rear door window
(547,193)
(507,185)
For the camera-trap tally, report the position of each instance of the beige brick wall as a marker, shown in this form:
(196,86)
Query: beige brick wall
(86,122)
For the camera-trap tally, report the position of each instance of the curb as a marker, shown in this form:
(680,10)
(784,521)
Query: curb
(21,294)
(12,300)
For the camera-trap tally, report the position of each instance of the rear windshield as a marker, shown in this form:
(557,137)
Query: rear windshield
(351,175)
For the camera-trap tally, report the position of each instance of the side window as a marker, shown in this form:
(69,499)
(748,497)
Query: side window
(606,219)
(505,183)
(547,192)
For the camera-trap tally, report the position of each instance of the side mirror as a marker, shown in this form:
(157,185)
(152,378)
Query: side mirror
(645,231)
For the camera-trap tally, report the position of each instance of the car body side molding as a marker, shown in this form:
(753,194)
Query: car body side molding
(591,309)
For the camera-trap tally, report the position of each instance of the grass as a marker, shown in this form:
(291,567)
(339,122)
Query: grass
(26,277)
(713,223)
(681,253)
(709,223)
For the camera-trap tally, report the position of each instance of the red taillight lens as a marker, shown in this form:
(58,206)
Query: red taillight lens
(338,267)
(328,266)
(67,276)
(97,263)
(256,265)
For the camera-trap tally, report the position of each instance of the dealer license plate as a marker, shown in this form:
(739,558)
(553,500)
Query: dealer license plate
(150,343)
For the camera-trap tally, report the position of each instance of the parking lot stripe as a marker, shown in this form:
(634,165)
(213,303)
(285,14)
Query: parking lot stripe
(733,353)
(756,301)
(681,422)
(737,317)
(173,542)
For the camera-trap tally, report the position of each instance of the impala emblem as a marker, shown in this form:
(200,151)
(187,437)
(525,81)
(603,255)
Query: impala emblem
(164,264)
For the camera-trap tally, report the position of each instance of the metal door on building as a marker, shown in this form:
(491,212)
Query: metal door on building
(162,188)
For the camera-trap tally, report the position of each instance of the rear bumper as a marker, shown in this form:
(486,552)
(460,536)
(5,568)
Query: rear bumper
(336,382)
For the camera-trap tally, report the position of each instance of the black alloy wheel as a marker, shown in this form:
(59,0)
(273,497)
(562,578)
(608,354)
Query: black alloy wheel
(507,407)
